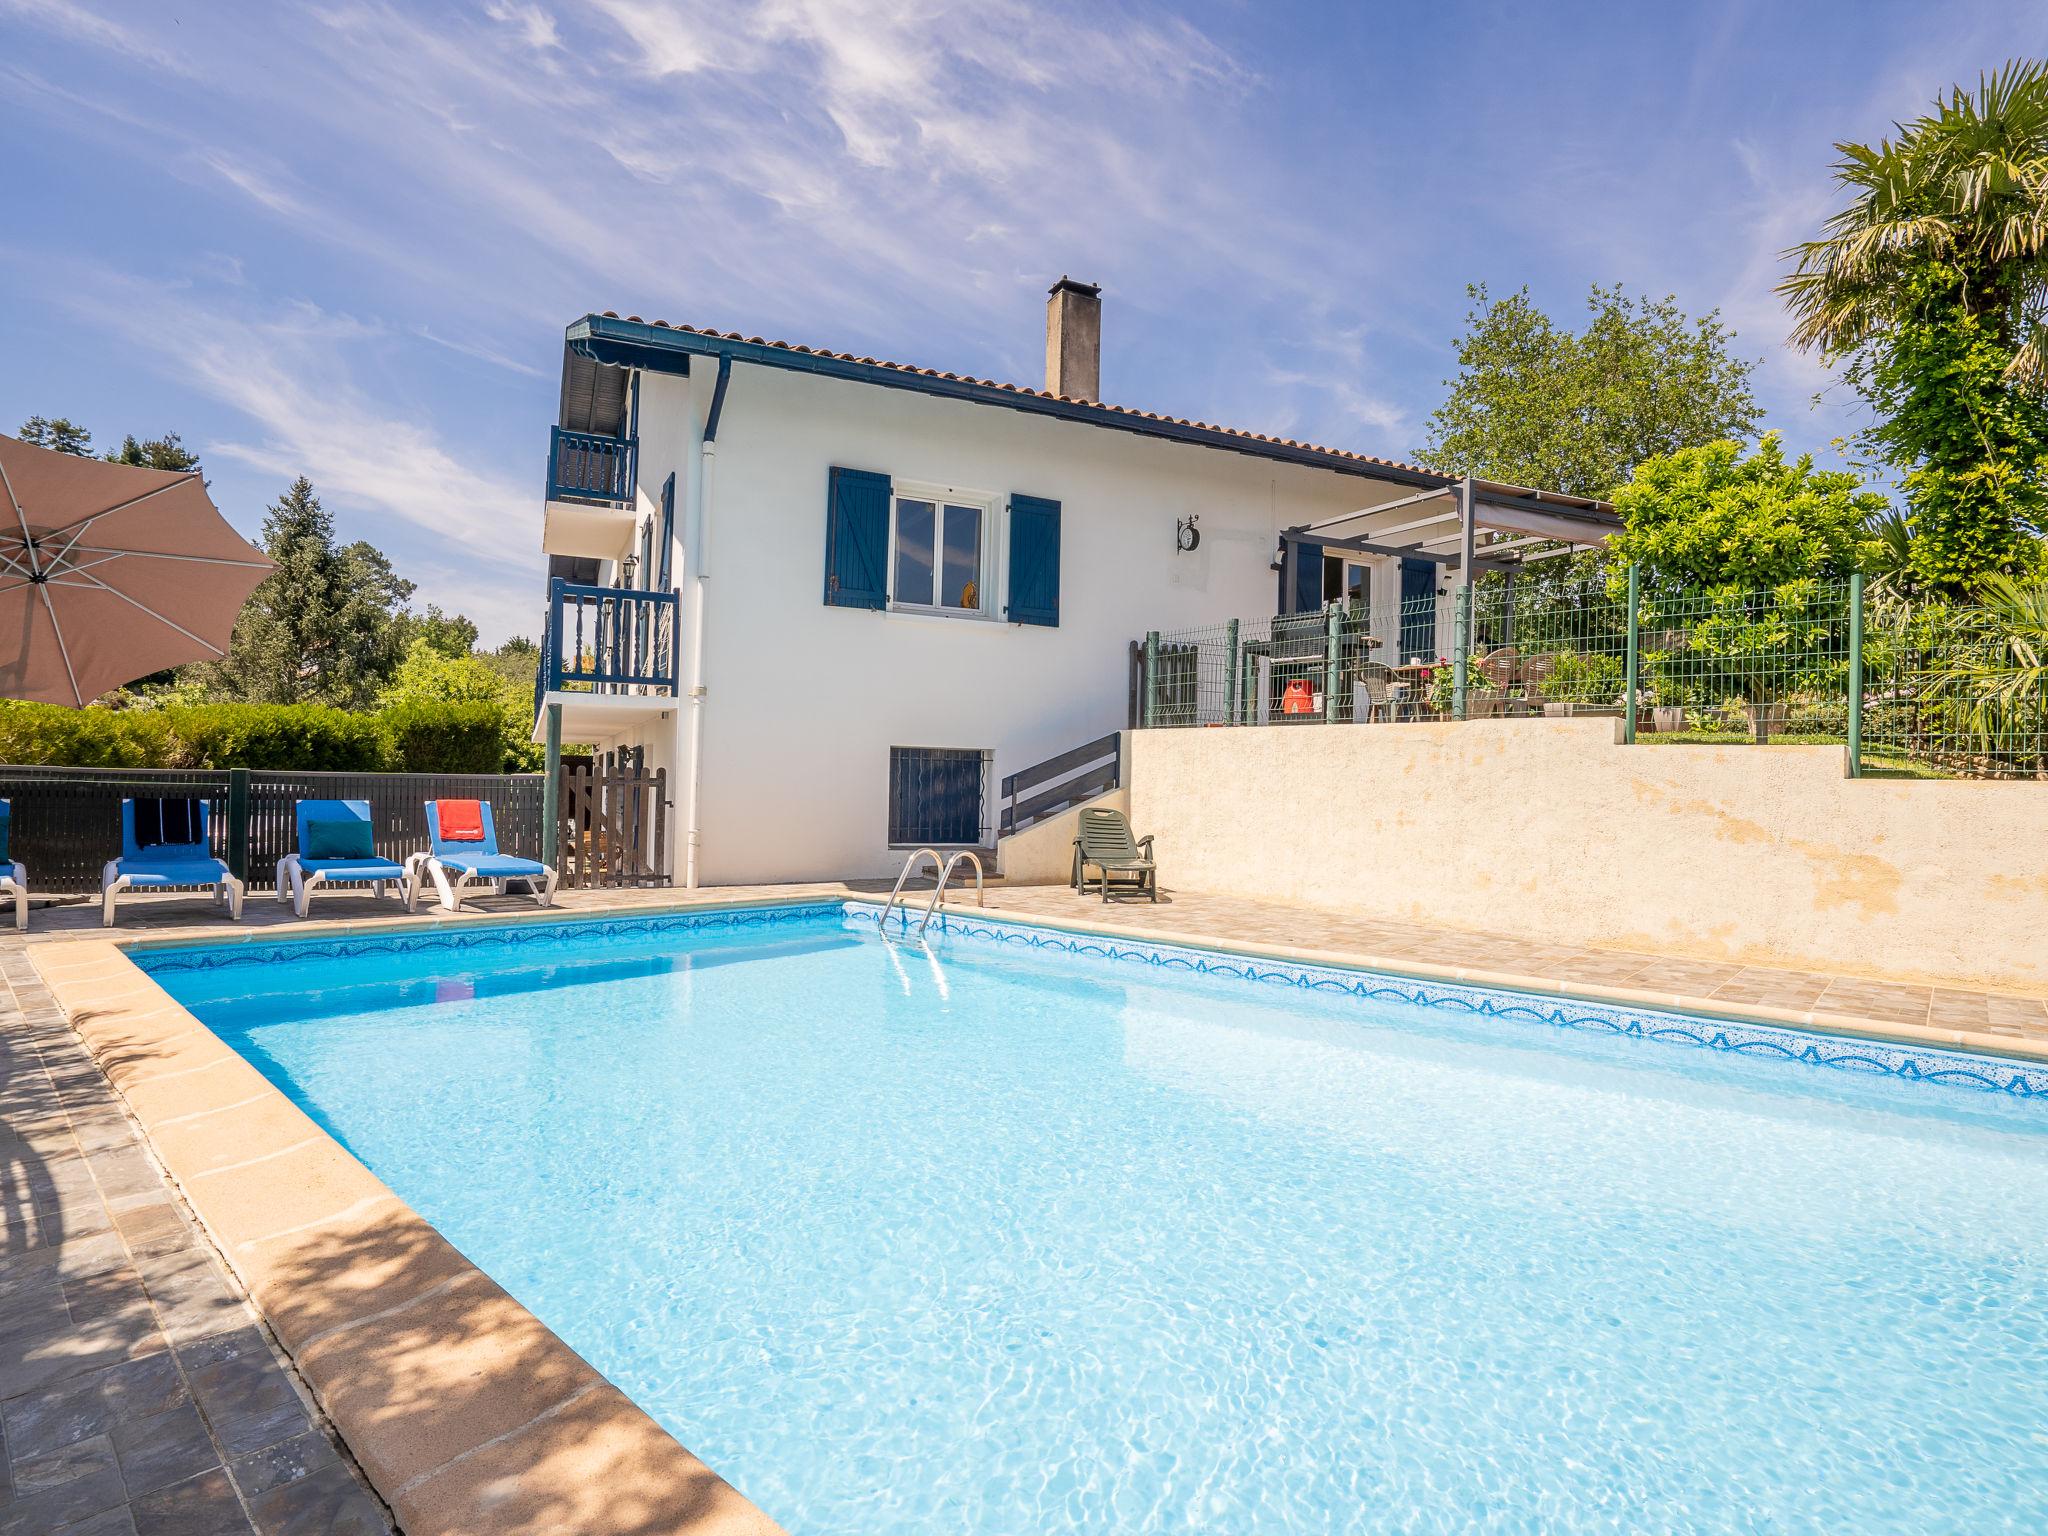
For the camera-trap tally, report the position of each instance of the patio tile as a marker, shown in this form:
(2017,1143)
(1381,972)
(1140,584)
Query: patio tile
(1891,1002)
(249,1404)
(39,1514)
(114,1522)
(199,1506)
(1774,989)
(285,1462)
(162,1450)
(53,1469)
(328,1502)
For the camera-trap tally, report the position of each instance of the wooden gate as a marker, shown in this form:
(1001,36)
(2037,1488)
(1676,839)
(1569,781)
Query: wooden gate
(614,828)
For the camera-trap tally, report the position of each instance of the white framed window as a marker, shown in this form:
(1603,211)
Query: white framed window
(942,550)
(1347,579)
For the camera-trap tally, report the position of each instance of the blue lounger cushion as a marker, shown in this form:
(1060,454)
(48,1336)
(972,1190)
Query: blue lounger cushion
(353,869)
(494,866)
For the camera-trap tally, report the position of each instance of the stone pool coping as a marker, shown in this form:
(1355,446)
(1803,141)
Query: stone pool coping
(1816,1020)
(467,1414)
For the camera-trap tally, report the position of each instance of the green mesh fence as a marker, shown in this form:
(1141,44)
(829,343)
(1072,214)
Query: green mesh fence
(1348,662)
(1944,691)
(1952,691)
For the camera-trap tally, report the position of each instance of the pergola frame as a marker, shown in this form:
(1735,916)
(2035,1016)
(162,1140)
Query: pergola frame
(1521,525)
(1525,525)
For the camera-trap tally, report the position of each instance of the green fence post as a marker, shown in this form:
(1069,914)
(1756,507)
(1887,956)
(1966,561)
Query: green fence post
(1333,636)
(1151,714)
(238,822)
(1635,633)
(1461,648)
(1231,657)
(551,790)
(1856,676)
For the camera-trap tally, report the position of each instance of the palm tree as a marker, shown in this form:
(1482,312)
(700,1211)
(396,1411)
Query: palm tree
(1992,671)
(1965,185)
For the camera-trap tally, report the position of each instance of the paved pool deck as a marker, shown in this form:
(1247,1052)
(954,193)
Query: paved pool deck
(212,1318)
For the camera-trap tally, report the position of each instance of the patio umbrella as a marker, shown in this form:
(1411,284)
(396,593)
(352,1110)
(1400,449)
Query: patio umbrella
(109,572)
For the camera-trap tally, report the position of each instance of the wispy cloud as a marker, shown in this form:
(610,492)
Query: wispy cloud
(484,354)
(293,374)
(85,25)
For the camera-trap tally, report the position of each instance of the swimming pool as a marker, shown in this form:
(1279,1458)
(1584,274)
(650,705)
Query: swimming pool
(1030,1232)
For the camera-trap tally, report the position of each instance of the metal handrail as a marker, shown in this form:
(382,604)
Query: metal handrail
(908,865)
(938,891)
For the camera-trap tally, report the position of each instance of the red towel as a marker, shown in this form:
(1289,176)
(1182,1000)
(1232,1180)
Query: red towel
(462,821)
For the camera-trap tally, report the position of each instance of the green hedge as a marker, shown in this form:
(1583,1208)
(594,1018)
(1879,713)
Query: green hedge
(408,738)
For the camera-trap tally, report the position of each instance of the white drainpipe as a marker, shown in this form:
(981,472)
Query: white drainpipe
(694,820)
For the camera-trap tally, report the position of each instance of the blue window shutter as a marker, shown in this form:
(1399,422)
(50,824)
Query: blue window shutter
(856,539)
(1308,578)
(1034,561)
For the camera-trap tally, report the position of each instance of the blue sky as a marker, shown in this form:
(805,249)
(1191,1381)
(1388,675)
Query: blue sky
(343,238)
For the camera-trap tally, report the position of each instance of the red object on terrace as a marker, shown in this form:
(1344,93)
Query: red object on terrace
(1299,699)
(462,821)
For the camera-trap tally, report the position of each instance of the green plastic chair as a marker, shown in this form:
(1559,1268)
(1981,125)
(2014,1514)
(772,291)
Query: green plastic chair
(1121,861)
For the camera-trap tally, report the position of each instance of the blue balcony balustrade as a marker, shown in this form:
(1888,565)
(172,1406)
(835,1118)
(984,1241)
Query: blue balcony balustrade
(607,640)
(586,466)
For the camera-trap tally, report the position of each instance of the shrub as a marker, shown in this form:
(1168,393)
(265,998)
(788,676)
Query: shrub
(417,737)
(1584,677)
(276,736)
(446,738)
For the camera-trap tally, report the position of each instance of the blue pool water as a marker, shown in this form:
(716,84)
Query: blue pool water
(991,1239)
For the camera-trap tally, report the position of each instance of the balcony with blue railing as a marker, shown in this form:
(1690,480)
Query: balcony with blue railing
(589,467)
(607,647)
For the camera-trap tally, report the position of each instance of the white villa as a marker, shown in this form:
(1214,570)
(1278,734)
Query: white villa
(840,600)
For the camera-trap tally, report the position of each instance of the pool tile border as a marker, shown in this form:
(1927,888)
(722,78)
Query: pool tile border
(202,955)
(467,1414)
(1807,1042)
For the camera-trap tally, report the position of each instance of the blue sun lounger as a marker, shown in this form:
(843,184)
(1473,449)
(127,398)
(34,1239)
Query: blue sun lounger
(471,854)
(13,878)
(337,847)
(174,856)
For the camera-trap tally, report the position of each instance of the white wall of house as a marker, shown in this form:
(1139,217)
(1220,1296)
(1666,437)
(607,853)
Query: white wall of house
(805,700)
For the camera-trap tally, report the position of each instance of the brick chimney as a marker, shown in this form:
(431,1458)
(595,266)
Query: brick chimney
(1073,340)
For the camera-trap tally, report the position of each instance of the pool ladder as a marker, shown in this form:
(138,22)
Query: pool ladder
(938,891)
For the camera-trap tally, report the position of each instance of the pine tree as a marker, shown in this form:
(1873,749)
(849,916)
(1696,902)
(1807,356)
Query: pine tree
(166,452)
(58,432)
(323,628)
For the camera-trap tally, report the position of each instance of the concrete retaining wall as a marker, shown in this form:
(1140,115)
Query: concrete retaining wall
(1548,829)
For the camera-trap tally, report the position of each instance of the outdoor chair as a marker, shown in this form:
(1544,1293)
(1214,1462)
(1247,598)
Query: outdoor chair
(464,843)
(1106,844)
(336,847)
(13,878)
(164,848)
(1376,683)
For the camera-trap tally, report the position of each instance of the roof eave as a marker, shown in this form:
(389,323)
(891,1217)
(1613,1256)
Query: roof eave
(666,348)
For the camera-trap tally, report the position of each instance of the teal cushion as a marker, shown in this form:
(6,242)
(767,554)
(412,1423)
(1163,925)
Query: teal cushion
(339,840)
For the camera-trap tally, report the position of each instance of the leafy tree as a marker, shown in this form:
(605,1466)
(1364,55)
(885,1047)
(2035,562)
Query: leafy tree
(1738,555)
(166,452)
(1708,517)
(1575,411)
(451,634)
(323,627)
(60,433)
(1932,285)
(432,675)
